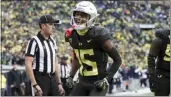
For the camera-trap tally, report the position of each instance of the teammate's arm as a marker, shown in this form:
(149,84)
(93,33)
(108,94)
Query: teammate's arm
(153,53)
(113,53)
(155,49)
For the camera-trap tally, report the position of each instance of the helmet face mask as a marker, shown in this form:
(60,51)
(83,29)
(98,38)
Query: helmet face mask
(83,15)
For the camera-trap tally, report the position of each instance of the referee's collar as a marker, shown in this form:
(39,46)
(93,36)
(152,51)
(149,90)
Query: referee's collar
(40,36)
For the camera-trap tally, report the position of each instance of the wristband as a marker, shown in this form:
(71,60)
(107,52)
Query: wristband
(59,83)
(35,85)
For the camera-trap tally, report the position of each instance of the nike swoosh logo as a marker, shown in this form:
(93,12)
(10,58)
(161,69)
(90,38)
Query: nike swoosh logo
(89,40)
(159,76)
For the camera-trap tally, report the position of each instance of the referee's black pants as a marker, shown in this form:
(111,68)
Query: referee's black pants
(47,83)
(162,84)
(67,90)
(87,89)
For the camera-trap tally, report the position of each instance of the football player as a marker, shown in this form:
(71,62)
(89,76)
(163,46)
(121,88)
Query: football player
(92,45)
(159,72)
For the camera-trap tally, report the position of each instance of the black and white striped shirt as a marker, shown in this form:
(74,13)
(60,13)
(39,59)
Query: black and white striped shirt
(64,70)
(44,53)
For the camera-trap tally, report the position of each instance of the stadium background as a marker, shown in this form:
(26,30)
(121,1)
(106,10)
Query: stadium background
(131,23)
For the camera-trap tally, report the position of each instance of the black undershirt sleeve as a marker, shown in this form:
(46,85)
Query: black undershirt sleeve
(113,53)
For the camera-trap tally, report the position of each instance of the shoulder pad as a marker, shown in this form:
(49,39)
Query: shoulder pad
(100,31)
(102,34)
(162,33)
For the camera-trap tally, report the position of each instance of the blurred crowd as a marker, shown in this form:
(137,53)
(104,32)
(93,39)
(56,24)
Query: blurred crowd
(20,19)
(15,83)
(20,22)
(129,78)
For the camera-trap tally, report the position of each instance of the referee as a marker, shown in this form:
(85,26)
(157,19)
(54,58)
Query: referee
(41,60)
(65,69)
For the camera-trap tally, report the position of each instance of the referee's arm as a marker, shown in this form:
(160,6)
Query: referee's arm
(61,90)
(29,54)
(57,72)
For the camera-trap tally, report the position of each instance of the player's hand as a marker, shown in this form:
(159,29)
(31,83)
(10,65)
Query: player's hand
(69,82)
(152,82)
(101,84)
(37,90)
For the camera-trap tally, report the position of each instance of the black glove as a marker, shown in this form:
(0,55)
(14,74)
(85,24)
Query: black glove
(152,83)
(101,84)
(69,82)
(110,80)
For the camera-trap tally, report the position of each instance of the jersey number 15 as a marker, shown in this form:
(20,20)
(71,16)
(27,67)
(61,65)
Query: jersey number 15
(167,53)
(80,53)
